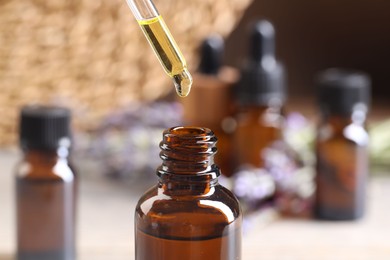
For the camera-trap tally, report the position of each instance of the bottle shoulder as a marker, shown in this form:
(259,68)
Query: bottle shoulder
(59,170)
(352,133)
(218,202)
(182,217)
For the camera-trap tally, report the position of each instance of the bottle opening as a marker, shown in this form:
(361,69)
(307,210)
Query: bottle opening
(188,150)
(189,132)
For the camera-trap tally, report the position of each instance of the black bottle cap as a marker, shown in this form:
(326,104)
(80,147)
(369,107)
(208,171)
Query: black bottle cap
(211,55)
(44,127)
(340,91)
(263,78)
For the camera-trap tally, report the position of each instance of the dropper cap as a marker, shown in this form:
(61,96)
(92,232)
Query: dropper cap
(340,91)
(44,127)
(263,78)
(211,55)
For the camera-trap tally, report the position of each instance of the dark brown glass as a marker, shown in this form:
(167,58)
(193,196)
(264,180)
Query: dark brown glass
(188,214)
(257,128)
(45,193)
(342,167)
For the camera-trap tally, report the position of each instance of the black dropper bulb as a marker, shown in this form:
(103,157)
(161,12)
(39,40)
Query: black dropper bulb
(211,54)
(262,78)
(262,41)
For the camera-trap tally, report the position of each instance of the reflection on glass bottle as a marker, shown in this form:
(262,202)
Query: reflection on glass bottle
(45,186)
(341,146)
(188,215)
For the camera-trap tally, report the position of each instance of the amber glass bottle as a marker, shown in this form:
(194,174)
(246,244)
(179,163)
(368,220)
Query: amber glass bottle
(341,146)
(188,215)
(45,186)
(261,96)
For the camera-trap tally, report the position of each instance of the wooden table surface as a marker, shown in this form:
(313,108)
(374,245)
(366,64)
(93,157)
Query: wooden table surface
(105,224)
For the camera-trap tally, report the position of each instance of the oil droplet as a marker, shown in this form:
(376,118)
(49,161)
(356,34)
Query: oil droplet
(183,83)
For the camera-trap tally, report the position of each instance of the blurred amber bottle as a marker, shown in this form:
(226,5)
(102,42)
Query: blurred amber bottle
(341,146)
(45,186)
(261,95)
(188,214)
(211,102)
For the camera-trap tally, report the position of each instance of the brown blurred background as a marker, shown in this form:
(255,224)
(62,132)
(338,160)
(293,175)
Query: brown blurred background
(314,35)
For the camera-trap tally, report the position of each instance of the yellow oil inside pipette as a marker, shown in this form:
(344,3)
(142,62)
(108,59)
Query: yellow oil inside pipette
(168,53)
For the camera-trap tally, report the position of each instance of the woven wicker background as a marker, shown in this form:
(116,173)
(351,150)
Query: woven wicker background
(90,55)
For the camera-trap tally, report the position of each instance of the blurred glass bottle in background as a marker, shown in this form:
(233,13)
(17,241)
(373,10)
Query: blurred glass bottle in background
(211,101)
(341,146)
(45,186)
(188,214)
(261,96)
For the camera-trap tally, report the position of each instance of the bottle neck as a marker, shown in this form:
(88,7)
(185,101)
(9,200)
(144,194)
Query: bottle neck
(47,157)
(187,155)
(262,109)
(340,121)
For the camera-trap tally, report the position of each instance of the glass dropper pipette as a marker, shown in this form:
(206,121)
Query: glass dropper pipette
(163,44)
